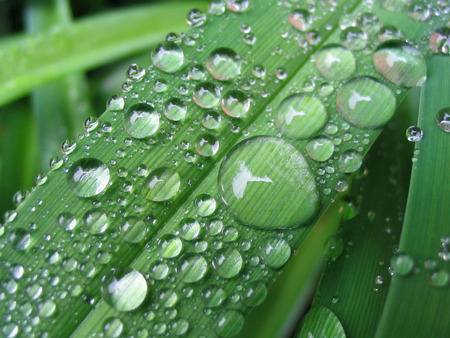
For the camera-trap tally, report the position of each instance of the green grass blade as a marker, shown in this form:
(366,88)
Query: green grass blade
(125,259)
(61,106)
(28,62)
(425,230)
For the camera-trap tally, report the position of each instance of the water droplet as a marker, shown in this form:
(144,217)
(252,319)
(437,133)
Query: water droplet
(196,18)
(228,263)
(189,229)
(211,119)
(88,177)
(206,95)
(135,73)
(168,57)
(259,71)
(20,239)
(192,268)
(97,221)
(67,221)
(301,19)
(168,298)
(402,264)
(300,116)
(170,246)
(439,278)
(162,184)
(335,62)
(275,252)
(280,178)
(112,327)
(68,147)
(365,102)
(333,248)
(350,161)
(440,41)
(255,294)
(205,205)
(207,145)
(217,7)
(133,229)
(387,33)
(401,64)
(10,330)
(174,109)
(213,296)
(90,124)
(419,11)
(414,134)
(124,289)
(229,323)
(369,23)
(180,327)
(141,120)
(394,5)
(237,5)
(443,119)
(236,104)
(353,38)
(224,64)
(47,309)
(320,149)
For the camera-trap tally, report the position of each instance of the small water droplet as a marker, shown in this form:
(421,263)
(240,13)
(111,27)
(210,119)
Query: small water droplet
(205,205)
(350,161)
(141,120)
(443,119)
(228,262)
(235,103)
(192,268)
(335,62)
(301,19)
(414,134)
(320,149)
(333,248)
(353,38)
(112,327)
(440,41)
(229,323)
(275,252)
(206,95)
(207,145)
(402,264)
(196,18)
(168,57)
(170,246)
(88,177)
(224,64)
(175,109)
(162,184)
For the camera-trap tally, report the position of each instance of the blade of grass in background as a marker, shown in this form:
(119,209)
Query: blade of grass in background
(418,299)
(61,107)
(28,62)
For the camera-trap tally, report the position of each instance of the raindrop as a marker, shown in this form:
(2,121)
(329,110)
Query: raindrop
(206,95)
(207,145)
(97,221)
(350,161)
(133,229)
(168,57)
(205,205)
(443,119)
(112,327)
(175,109)
(279,176)
(255,294)
(236,104)
(414,134)
(335,62)
(300,116)
(275,252)
(189,229)
(124,289)
(141,120)
(213,295)
(20,239)
(333,248)
(67,221)
(301,19)
(170,246)
(402,264)
(162,184)
(223,64)
(237,5)
(353,38)
(196,18)
(440,41)
(229,323)
(192,268)
(88,177)
(211,119)
(320,149)
(228,263)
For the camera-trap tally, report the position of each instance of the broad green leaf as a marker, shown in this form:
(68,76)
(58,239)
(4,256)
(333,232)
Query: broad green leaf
(138,225)
(60,106)
(320,322)
(422,289)
(30,61)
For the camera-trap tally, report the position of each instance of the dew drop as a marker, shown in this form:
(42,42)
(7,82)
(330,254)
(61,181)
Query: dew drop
(189,229)
(414,134)
(217,7)
(235,103)
(67,221)
(443,119)
(229,323)
(206,95)
(141,120)
(255,294)
(237,5)
(279,176)
(175,109)
(207,145)
(300,19)
(124,289)
(350,161)
(275,252)
(335,62)
(88,177)
(168,57)
(205,205)
(365,102)
(440,278)
(211,119)
(320,149)
(170,246)
(20,239)
(402,264)
(333,248)
(401,64)
(353,38)
(97,221)
(192,268)
(213,296)
(112,327)
(133,229)
(440,41)
(228,263)
(162,184)
(196,18)
(223,64)
(300,116)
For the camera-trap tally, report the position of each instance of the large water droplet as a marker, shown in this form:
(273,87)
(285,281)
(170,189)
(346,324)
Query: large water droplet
(88,177)
(223,64)
(124,289)
(141,120)
(175,109)
(206,95)
(20,239)
(335,62)
(350,161)
(228,262)
(168,57)
(365,102)
(300,116)
(162,184)
(271,178)
(401,64)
